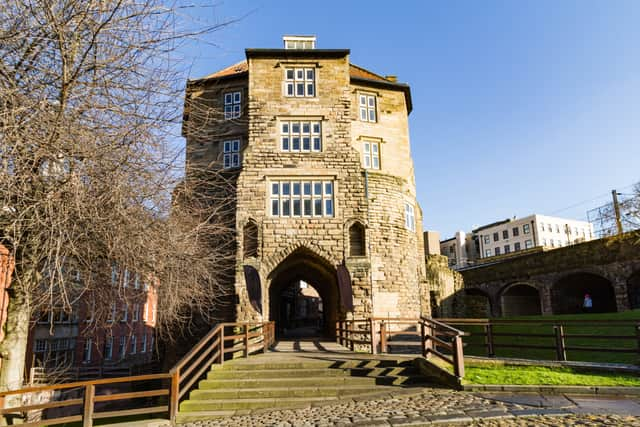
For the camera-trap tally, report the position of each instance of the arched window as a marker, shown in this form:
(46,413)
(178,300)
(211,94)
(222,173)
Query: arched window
(250,239)
(356,240)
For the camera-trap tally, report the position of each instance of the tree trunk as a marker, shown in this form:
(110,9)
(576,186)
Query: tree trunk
(14,346)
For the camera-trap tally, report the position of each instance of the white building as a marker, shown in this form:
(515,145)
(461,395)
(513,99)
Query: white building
(513,235)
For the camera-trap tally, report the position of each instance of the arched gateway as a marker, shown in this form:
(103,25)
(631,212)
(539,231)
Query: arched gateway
(304,296)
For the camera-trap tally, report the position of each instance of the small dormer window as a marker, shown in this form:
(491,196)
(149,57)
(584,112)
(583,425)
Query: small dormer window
(299,42)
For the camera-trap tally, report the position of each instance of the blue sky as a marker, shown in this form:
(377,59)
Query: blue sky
(520,107)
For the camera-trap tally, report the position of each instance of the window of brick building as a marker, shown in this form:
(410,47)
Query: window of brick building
(122,347)
(300,136)
(231,153)
(515,231)
(108,348)
(367,106)
(86,351)
(507,249)
(528,244)
(526,229)
(516,246)
(371,155)
(497,251)
(486,239)
(133,343)
(300,82)
(487,253)
(496,237)
(505,234)
(232,105)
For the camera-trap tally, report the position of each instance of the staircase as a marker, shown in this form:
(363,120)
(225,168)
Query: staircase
(295,380)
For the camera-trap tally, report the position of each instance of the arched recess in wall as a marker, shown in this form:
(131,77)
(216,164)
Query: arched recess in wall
(357,240)
(476,303)
(250,239)
(633,289)
(568,293)
(520,299)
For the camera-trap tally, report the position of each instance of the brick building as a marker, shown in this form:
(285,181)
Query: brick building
(75,343)
(318,149)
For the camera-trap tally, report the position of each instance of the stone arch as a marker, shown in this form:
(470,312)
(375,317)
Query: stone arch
(303,264)
(567,293)
(357,239)
(274,260)
(633,290)
(520,299)
(477,303)
(250,239)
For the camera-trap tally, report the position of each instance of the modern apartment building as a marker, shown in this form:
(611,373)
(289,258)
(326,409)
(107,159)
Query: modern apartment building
(318,151)
(513,235)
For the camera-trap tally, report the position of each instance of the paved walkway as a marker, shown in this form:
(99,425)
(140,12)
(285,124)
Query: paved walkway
(432,406)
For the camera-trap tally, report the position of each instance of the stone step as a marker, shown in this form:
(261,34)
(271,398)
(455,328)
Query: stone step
(314,391)
(335,381)
(275,373)
(242,365)
(256,403)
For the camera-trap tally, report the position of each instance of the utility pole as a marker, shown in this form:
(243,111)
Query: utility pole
(616,208)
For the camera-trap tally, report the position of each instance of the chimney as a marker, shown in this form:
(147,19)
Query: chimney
(391,78)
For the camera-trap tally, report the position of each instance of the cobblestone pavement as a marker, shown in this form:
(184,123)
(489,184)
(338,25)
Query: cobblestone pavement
(441,407)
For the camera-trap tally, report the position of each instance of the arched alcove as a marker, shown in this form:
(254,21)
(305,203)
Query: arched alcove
(250,240)
(476,303)
(568,293)
(357,243)
(633,290)
(520,299)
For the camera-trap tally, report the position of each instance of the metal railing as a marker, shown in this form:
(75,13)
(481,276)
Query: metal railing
(425,335)
(245,338)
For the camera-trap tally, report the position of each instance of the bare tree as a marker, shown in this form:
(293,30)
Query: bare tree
(89,94)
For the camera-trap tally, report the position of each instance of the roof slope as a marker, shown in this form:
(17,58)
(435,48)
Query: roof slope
(242,67)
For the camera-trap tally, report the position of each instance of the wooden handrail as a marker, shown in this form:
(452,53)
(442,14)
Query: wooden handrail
(186,372)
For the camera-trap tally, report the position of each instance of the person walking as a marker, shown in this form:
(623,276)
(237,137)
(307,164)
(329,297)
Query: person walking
(587,304)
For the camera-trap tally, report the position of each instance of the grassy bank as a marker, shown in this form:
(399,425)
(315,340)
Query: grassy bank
(540,375)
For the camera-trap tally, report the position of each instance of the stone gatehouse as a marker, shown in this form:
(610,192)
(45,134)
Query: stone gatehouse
(324,181)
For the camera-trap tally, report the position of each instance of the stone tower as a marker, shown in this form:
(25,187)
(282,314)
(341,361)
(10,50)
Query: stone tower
(324,180)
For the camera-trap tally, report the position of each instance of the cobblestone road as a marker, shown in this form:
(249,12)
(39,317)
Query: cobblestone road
(445,407)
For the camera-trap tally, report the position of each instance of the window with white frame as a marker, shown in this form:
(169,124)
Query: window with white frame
(108,348)
(409,217)
(487,253)
(86,351)
(528,244)
(301,198)
(232,105)
(122,347)
(125,313)
(302,136)
(371,154)
(112,315)
(300,82)
(136,312)
(231,152)
(133,343)
(144,344)
(367,105)
(526,229)
(40,346)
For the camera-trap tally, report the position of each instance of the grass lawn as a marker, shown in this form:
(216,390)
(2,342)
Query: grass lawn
(475,344)
(540,375)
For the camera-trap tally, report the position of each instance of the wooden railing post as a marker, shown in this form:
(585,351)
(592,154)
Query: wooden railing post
(338,331)
(373,336)
(383,337)
(87,413)
(458,357)
(174,395)
(246,340)
(423,339)
(221,360)
(561,353)
(488,329)
(351,335)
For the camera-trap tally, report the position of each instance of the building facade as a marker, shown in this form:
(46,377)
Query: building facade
(324,180)
(514,235)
